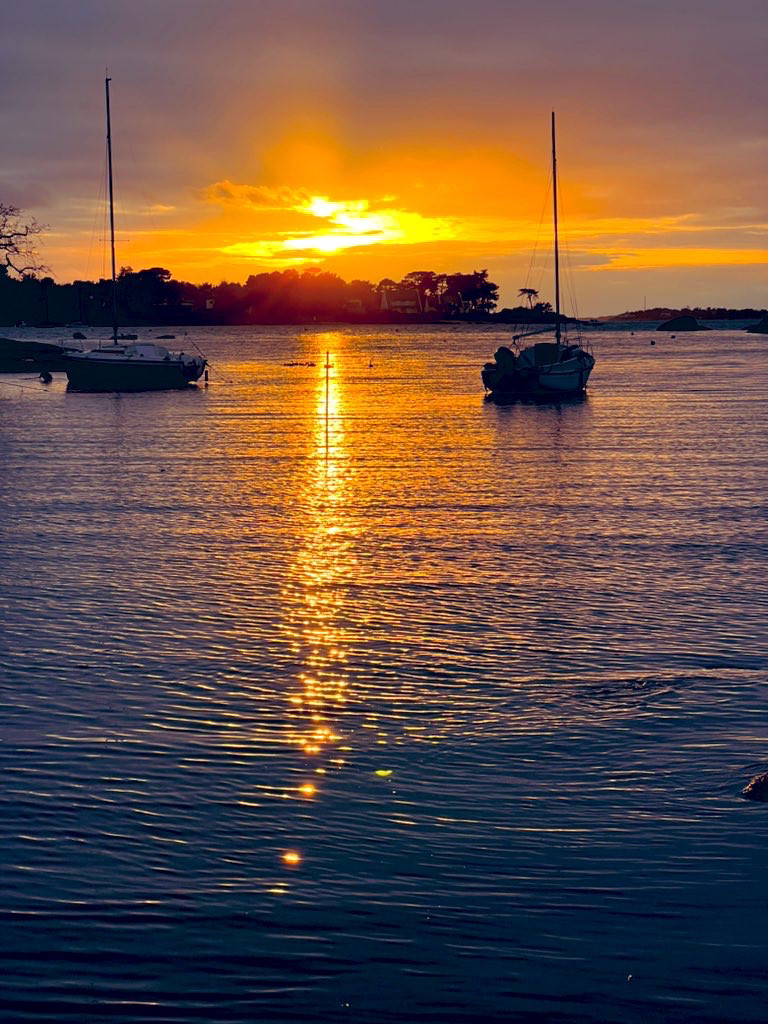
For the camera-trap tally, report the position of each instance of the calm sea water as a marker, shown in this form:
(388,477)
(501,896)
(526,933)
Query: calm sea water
(494,675)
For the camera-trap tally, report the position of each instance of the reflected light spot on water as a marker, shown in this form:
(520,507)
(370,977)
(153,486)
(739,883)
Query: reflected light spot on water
(307,789)
(291,857)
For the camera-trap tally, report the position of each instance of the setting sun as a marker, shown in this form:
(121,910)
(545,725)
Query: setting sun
(348,224)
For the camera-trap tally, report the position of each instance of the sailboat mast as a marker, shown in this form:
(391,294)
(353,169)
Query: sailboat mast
(557,242)
(111,216)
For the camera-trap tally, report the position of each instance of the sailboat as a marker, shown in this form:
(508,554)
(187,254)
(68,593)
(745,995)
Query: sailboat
(545,369)
(143,366)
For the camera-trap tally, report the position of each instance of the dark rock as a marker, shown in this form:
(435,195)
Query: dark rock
(759,328)
(757,788)
(682,323)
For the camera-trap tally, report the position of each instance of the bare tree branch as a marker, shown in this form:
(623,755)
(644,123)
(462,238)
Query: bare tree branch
(18,248)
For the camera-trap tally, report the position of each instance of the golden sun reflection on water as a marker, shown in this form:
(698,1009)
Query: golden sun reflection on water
(324,560)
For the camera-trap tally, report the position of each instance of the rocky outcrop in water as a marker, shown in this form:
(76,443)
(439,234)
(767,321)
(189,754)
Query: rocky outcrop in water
(757,788)
(759,328)
(682,323)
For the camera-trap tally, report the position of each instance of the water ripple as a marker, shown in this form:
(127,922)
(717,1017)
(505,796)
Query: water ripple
(442,711)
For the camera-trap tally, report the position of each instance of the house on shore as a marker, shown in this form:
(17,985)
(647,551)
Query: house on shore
(406,301)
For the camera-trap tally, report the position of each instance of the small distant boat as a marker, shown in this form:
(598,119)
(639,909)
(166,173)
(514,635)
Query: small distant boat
(545,369)
(143,366)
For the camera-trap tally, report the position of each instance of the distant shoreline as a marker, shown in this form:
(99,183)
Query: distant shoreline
(375,319)
(503,318)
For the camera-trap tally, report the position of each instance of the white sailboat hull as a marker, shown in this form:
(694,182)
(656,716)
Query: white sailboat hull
(567,378)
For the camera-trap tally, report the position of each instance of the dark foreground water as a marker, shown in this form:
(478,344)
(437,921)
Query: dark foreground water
(494,675)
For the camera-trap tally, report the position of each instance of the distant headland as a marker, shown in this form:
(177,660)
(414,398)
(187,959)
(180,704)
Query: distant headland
(699,313)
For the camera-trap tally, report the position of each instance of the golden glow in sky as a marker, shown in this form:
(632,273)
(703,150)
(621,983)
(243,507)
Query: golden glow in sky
(426,207)
(373,142)
(230,230)
(345,224)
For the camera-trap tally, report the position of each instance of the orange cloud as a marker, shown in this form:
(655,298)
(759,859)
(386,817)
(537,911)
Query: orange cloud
(347,223)
(647,259)
(256,197)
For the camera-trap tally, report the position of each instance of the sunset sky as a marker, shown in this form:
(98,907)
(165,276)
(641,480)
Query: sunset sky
(374,138)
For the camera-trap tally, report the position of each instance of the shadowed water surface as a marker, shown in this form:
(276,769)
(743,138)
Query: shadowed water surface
(494,674)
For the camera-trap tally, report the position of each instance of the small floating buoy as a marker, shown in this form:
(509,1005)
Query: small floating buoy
(45,377)
(653,341)
(673,335)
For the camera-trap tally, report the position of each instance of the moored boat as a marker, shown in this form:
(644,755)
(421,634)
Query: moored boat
(538,371)
(139,366)
(142,366)
(544,369)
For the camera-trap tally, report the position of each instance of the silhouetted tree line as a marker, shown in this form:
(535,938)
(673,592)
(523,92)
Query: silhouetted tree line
(288,296)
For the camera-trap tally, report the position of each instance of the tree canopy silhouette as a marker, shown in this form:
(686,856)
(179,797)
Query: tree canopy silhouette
(530,294)
(18,251)
(279,296)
